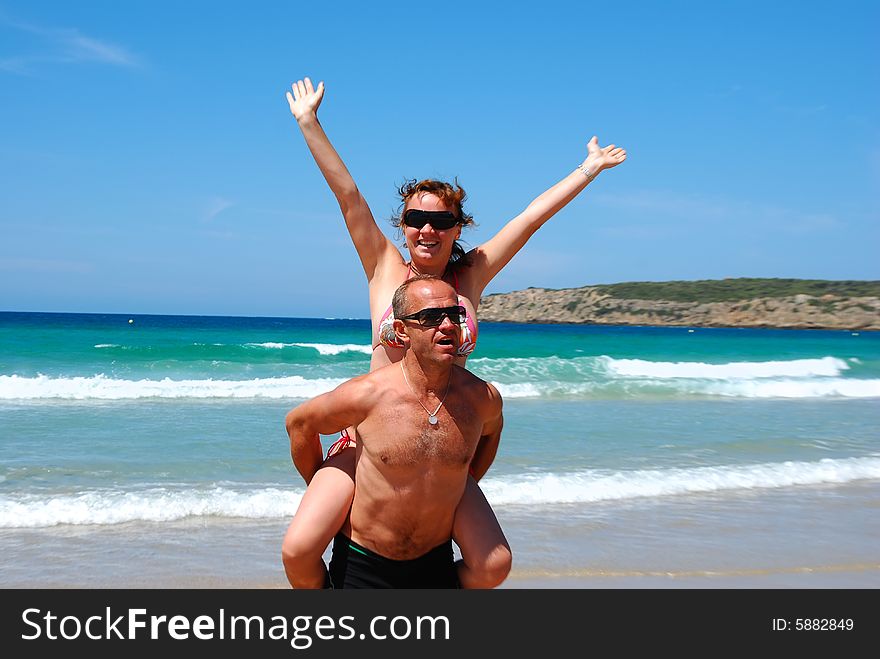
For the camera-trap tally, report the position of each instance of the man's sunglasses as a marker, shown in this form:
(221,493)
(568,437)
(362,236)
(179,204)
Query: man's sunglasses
(440,220)
(433,316)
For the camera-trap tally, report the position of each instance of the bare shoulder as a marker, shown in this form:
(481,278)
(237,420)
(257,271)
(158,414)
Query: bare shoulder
(361,390)
(478,389)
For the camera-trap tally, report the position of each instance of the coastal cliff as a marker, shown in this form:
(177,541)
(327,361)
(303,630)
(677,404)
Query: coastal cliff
(767,303)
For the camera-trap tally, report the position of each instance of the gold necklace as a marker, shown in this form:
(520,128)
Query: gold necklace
(432,416)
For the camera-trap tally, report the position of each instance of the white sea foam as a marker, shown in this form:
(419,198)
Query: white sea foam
(603,376)
(538,369)
(322,348)
(103,507)
(784,388)
(518,390)
(100,387)
(334,349)
(161,504)
(602,366)
(536,377)
(107,345)
(588,486)
(815,388)
(826,366)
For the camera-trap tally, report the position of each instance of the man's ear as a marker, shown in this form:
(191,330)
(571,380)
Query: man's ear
(400,331)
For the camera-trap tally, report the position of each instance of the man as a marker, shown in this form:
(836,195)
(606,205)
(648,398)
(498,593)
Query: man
(421,424)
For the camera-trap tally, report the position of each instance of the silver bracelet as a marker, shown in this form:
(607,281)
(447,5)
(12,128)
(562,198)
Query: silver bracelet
(586,172)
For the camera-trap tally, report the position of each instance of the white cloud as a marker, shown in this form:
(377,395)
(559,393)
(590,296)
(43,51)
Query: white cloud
(82,48)
(666,202)
(216,206)
(62,45)
(731,90)
(45,265)
(14,64)
(802,110)
(691,208)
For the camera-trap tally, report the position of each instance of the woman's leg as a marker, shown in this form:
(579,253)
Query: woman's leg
(486,557)
(318,519)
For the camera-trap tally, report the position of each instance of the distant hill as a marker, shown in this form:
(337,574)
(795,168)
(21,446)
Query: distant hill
(744,302)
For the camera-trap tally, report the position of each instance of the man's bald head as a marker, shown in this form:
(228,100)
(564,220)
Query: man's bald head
(401,301)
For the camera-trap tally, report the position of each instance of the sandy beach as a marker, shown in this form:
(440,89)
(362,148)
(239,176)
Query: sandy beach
(166,562)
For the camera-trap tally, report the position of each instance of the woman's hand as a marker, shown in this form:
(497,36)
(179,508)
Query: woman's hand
(599,158)
(305,100)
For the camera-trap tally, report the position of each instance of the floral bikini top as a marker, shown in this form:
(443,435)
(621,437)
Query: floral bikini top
(388,338)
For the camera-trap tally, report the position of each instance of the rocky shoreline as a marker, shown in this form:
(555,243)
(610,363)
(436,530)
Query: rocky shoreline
(594,305)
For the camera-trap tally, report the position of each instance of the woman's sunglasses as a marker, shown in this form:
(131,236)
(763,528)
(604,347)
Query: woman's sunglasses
(440,220)
(433,316)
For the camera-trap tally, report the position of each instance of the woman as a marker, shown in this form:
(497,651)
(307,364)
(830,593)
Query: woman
(431,220)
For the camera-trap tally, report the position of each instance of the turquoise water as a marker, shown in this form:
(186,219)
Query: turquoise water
(111,427)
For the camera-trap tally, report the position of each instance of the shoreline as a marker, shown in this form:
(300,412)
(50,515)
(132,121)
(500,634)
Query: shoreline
(485,318)
(826,578)
(799,537)
(799,328)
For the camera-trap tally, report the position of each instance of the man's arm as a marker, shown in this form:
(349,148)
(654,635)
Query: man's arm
(490,436)
(345,406)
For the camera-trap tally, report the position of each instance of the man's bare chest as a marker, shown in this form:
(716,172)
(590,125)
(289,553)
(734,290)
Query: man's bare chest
(400,435)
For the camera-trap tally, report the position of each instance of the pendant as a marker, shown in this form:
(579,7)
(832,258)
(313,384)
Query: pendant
(432,419)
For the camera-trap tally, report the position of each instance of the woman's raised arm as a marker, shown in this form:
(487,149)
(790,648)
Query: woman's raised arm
(490,257)
(369,241)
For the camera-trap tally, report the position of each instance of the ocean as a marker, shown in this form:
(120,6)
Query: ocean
(150,451)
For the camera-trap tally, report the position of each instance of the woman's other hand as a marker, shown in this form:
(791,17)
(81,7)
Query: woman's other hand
(305,99)
(599,158)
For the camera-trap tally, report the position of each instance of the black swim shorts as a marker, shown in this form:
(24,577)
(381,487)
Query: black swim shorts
(353,566)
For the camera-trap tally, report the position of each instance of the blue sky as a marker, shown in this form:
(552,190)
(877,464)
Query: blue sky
(149,162)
